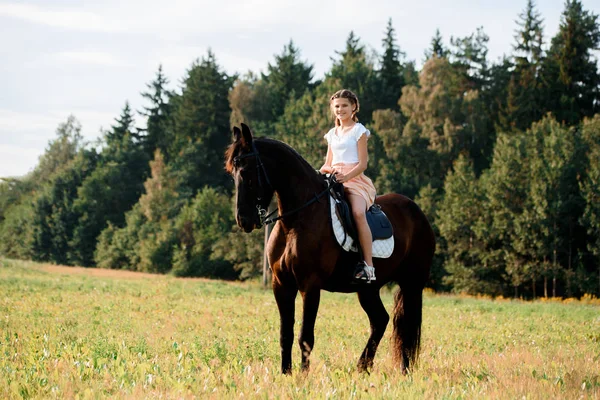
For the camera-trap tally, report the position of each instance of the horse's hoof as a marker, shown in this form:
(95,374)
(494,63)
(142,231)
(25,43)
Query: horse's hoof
(364,369)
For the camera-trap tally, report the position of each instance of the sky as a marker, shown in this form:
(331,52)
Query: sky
(84,58)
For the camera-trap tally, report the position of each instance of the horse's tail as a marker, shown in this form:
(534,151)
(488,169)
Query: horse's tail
(408,301)
(407,318)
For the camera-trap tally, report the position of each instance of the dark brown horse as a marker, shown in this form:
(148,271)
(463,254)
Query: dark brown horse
(304,255)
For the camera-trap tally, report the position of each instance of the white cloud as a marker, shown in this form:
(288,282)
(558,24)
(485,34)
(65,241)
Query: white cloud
(89,58)
(69,19)
(24,136)
(65,57)
(177,59)
(19,124)
(17,160)
(35,130)
(93,121)
(181,17)
(233,63)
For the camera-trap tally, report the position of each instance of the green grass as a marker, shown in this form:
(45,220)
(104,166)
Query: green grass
(75,335)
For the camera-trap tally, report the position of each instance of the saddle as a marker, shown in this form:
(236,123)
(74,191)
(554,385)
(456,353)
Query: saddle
(380,225)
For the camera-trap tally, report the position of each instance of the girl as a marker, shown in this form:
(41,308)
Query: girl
(347,160)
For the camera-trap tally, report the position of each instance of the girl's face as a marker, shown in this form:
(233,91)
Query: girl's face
(343,109)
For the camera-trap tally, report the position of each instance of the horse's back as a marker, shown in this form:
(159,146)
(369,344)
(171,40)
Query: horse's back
(403,211)
(413,236)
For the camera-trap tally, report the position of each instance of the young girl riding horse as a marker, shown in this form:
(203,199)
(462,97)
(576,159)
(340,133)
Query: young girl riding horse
(347,159)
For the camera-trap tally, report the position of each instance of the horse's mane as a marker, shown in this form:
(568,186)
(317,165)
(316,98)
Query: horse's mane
(229,154)
(231,151)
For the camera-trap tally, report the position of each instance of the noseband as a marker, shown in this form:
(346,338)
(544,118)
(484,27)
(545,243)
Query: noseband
(262,213)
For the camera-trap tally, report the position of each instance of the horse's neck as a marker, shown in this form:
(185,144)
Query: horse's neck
(294,183)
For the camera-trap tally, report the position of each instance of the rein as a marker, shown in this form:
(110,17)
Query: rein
(265,221)
(262,213)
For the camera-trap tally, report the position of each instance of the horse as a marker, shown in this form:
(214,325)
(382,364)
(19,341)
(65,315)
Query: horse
(305,257)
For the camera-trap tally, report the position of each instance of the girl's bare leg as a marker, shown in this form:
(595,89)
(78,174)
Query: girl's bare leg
(359,209)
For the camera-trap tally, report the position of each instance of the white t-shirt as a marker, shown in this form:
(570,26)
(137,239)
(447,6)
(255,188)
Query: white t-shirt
(345,146)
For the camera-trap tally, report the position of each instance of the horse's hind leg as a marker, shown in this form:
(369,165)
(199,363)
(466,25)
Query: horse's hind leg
(306,340)
(378,317)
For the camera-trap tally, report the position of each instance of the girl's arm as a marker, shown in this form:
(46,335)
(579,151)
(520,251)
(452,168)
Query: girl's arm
(363,158)
(326,168)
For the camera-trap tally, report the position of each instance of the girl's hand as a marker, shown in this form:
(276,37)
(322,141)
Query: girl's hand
(340,177)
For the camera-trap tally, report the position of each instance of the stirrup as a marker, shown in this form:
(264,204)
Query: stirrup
(364,273)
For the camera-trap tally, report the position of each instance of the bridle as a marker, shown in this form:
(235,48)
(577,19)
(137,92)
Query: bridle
(260,167)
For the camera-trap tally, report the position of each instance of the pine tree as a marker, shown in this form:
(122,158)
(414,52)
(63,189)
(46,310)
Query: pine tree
(124,126)
(200,128)
(146,241)
(288,78)
(160,201)
(469,59)
(199,225)
(303,125)
(242,100)
(391,73)
(15,231)
(110,190)
(470,55)
(437,48)
(448,113)
(498,92)
(28,216)
(429,200)
(355,72)
(59,152)
(156,237)
(54,216)
(506,193)
(523,105)
(157,114)
(459,213)
(570,72)
(590,190)
(544,225)
(407,163)
(529,39)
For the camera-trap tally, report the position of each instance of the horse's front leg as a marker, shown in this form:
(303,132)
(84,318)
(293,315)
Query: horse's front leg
(285,296)
(311,299)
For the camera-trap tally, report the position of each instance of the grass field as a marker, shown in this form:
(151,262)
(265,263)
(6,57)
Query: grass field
(77,333)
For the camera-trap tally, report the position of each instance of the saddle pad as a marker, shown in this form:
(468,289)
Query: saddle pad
(381,248)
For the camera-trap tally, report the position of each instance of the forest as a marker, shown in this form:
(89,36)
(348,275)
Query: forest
(501,155)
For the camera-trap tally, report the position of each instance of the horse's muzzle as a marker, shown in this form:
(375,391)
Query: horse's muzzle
(247,224)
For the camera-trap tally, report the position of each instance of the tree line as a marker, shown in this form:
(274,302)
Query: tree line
(501,155)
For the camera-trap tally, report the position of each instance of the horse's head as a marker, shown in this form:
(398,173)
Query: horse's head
(252,185)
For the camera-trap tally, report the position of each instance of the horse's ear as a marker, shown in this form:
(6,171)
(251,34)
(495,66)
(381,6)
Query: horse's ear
(237,134)
(247,135)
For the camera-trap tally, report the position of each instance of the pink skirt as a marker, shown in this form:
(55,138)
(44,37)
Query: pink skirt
(360,185)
